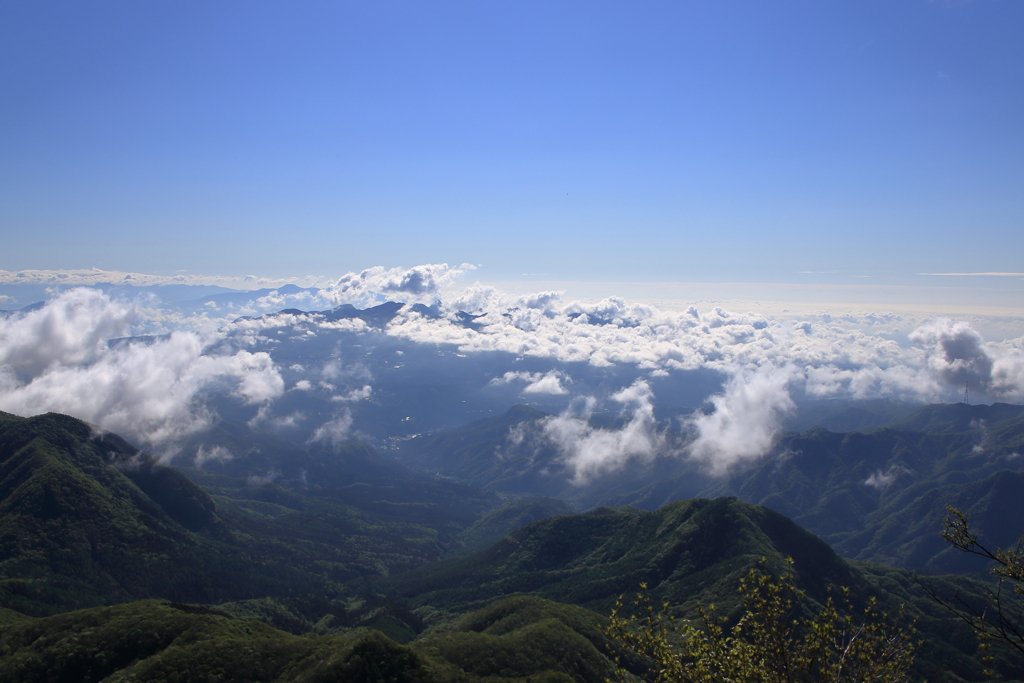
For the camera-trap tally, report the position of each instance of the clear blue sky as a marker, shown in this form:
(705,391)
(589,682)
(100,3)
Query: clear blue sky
(675,141)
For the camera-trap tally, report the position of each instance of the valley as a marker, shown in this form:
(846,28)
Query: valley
(482,567)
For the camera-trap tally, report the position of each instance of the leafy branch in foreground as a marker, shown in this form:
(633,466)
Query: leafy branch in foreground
(767,644)
(1001,615)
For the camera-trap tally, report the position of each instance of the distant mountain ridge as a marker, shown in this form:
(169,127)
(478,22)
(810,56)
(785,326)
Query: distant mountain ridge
(881,496)
(877,495)
(483,454)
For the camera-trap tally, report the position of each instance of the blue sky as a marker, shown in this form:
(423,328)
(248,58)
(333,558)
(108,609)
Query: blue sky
(694,142)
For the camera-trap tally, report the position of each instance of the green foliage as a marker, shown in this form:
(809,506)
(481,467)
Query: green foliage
(157,642)
(690,550)
(939,455)
(767,644)
(689,553)
(998,617)
(10,616)
(524,637)
(86,519)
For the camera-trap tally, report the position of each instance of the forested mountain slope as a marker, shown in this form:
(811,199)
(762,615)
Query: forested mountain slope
(86,519)
(522,640)
(689,552)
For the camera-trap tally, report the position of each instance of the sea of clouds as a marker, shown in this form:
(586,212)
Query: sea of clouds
(155,391)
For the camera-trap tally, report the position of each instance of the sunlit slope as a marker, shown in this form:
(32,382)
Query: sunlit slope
(686,552)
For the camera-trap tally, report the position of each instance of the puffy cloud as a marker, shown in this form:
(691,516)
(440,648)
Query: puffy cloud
(745,420)
(589,451)
(956,352)
(958,355)
(373,285)
(265,416)
(852,355)
(536,382)
(1007,380)
(859,355)
(58,359)
(72,329)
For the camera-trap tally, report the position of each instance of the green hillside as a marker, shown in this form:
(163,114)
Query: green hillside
(86,519)
(76,529)
(523,640)
(157,642)
(688,552)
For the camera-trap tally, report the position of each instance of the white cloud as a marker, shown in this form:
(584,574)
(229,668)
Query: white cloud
(956,352)
(363,392)
(334,431)
(536,382)
(212,454)
(745,420)
(883,479)
(590,451)
(857,355)
(265,416)
(70,330)
(374,285)
(957,355)
(57,359)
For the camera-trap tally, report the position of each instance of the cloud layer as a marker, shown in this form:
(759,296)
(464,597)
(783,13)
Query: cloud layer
(154,391)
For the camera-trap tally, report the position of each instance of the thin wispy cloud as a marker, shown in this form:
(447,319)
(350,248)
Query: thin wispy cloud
(985,274)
